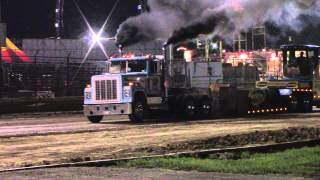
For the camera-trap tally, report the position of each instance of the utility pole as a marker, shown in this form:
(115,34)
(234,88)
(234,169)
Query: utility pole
(3,35)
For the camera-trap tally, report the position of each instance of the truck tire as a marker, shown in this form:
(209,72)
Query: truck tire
(205,108)
(189,108)
(306,105)
(95,119)
(294,105)
(139,111)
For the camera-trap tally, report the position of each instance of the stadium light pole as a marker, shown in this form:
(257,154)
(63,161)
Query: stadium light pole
(143,6)
(59,25)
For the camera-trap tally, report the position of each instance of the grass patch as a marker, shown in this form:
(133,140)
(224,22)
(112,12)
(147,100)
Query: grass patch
(305,161)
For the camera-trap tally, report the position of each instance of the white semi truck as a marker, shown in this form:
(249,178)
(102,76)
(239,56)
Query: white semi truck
(135,85)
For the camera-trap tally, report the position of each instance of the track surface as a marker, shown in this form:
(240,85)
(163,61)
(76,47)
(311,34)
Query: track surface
(42,124)
(49,124)
(36,140)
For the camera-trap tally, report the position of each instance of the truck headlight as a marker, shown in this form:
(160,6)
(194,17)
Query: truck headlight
(127,91)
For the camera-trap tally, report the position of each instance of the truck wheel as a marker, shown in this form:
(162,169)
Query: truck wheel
(205,108)
(139,111)
(294,105)
(189,108)
(95,119)
(307,105)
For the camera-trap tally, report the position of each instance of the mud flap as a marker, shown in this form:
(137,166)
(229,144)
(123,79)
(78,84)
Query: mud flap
(234,101)
(242,102)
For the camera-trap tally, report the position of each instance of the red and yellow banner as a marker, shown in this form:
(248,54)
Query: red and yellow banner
(11,52)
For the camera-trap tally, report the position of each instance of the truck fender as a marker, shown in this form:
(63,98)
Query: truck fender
(139,94)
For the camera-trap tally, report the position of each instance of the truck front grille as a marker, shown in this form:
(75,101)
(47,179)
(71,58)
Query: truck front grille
(106,90)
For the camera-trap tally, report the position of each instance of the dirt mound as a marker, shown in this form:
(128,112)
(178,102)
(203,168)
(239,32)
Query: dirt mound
(265,137)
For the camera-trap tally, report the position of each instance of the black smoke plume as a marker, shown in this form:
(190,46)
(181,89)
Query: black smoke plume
(202,26)
(178,20)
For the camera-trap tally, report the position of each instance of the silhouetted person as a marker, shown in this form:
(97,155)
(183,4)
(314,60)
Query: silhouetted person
(303,64)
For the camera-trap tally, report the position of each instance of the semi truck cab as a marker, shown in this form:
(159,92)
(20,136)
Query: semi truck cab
(130,83)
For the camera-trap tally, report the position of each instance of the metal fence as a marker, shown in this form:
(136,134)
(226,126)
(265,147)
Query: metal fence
(61,76)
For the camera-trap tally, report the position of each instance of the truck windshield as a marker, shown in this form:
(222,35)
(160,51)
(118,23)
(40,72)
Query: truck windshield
(130,66)
(299,63)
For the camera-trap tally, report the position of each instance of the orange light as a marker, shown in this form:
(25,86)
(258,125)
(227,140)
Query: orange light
(182,49)
(131,83)
(88,86)
(128,56)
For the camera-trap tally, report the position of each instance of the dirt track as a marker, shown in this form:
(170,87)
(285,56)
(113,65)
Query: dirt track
(57,141)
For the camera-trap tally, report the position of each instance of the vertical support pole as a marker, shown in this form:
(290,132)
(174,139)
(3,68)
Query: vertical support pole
(234,42)
(253,44)
(246,40)
(36,71)
(68,74)
(239,42)
(2,44)
(36,57)
(1,73)
(3,36)
(265,38)
(221,49)
(207,50)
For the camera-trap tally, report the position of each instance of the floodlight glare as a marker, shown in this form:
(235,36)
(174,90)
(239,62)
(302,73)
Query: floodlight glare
(95,38)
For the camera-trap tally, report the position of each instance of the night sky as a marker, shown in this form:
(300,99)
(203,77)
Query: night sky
(36,18)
